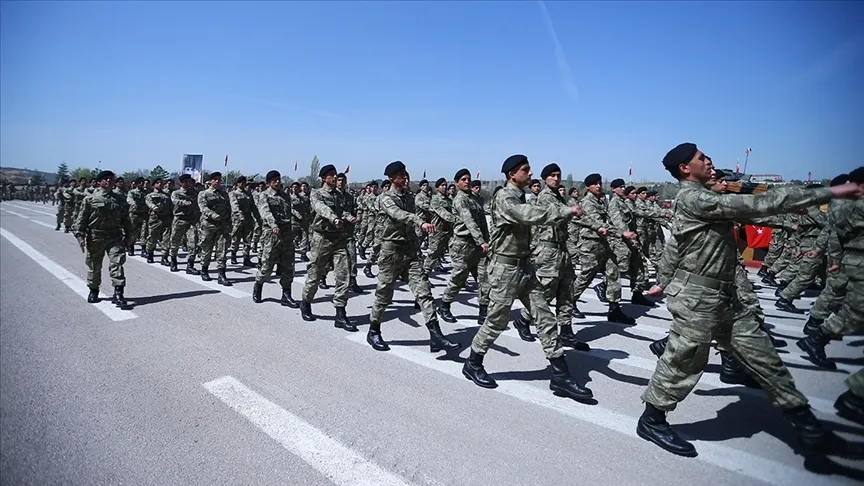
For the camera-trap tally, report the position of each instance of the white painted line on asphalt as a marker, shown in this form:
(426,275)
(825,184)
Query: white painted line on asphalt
(34,210)
(230,291)
(65,276)
(741,462)
(328,456)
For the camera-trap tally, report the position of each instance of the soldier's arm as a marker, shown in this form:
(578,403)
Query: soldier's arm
(265,213)
(464,212)
(442,211)
(322,209)
(234,202)
(206,212)
(731,207)
(82,222)
(126,222)
(511,210)
(148,200)
(388,206)
(668,263)
(294,211)
(616,217)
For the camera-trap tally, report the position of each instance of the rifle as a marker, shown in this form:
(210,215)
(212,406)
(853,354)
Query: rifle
(743,187)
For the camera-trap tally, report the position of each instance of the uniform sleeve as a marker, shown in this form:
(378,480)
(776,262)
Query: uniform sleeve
(148,200)
(442,211)
(82,222)
(731,207)
(460,205)
(388,206)
(322,209)
(511,210)
(267,218)
(616,215)
(234,202)
(668,263)
(207,213)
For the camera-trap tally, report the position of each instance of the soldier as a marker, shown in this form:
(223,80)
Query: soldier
(60,195)
(69,212)
(468,248)
(375,238)
(102,228)
(350,231)
(626,247)
(120,187)
(304,207)
(329,243)
(511,276)
(423,202)
(215,228)
(159,221)
(277,239)
(244,216)
(812,238)
(135,200)
(443,218)
(186,216)
(704,305)
(256,232)
(573,230)
(400,251)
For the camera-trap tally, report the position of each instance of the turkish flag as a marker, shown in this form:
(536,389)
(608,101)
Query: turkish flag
(758,236)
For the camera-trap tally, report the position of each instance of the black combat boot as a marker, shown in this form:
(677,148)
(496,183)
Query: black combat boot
(205,274)
(563,385)
(568,339)
(342,321)
(416,305)
(164,262)
(482,313)
(523,328)
(247,259)
(233,257)
(769,279)
(306,311)
(780,288)
(190,267)
(445,313)
(367,270)
(787,306)
(278,271)
(812,326)
(815,440)
(361,252)
(437,341)
(373,337)
(851,407)
(617,315)
(288,301)
(814,346)
(223,279)
(653,427)
(118,298)
(322,284)
(576,312)
(66,229)
(150,257)
(57,228)
(778,343)
(600,290)
(763,272)
(256,292)
(473,370)
(732,373)
(304,257)
(639,299)
(659,346)
(93,296)
(174,264)
(353,287)
(131,250)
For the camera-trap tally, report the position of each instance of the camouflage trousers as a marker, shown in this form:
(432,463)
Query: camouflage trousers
(139,221)
(573,250)
(214,245)
(850,317)
(327,248)
(256,236)
(775,248)
(787,256)
(593,256)
(700,313)
(352,261)
(277,250)
(159,231)
(655,252)
(368,238)
(301,237)
(394,260)
(510,279)
(556,283)
(855,383)
(630,263)
(96,250)
(805,273)
(241,230)
(181,229)
(68,213)
(376,245)
(438,242)
(466,257)
(831,297)
(61,211)
(746,293)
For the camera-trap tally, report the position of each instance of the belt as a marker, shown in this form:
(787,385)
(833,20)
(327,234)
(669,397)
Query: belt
(549,244)
(508,260)
(711,283)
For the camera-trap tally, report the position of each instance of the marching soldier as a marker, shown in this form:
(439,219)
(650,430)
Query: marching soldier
(186,216)
(215,227)
(626,247)
(442,217)
(244,217)
(277,239)
(159,220)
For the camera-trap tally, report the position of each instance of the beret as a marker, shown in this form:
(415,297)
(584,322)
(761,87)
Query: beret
(652,193)
(295,183)
(513,162)
(105,174)
(304,183)
(681,154)
(185,177)
(373,184)
(326,170)
(549,169)
(140,179)
(120,178)
(533,182)
(241,179)
(341,175)
(385,183)
(460,174)
(592,179)
(841,179)
(617,183)
(273,174)
(214,176)
(628,190)
(424,181)
(641,190)
(475,183)
(158,179)
(440,182)
(394,168)
(857,176)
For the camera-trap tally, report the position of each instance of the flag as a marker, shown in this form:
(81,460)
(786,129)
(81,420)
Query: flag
(347,169)
(809,176)
(478,175)
(295,166)
(758,236)
(424,173)
(747,152)
(737,166)
(226,160)
(630,169)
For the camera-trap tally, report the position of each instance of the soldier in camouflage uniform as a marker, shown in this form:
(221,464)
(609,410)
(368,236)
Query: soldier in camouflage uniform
(813,237)
(301,228)
(511,276)
(103,227)
(256,232)
(215,225)
(69,212)
(135,199)
(78,194)
(400,251)
(159,220)
(626,248)
(277,239)
(423,202)
(244,217)
(442,217)
(184,203)
(351,230)
(704,305)
(374,239)
(60,195)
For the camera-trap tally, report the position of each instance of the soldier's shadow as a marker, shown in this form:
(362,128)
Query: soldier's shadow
(856,344)
(601,329)
(462,337)
(154,299)
(581,365)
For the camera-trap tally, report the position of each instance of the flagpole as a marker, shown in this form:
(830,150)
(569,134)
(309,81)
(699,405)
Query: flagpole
(746,158)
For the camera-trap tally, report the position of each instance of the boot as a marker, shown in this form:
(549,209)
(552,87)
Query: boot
(522,327)
(814,346)
(367,270)
(373,337)
(131,250)
(93,296)
(763,272)
(205,274)
(223,280)
(731,372)
(577,314)
(304,257)
(278,271)
(287,300)
(416,305)
(437,341)
(812,326)
(787,306)
(600,289)
(563,385)
(568,339)
(306,311)
(174,264)
(342,321)
(362,252)
(118,298)
(445,313)
(353,287)
(322,284)
(482,313)
(247,260)
(770,279)
(473,370)
(815,440)
(659,346)
(639,299)
(256,292)
(57,228)
(653,427)
(778,343)
(617,315)
(164,261)
(851,407)
(66,229)
(150,257)
(190,267)
(780,288)
(233,257)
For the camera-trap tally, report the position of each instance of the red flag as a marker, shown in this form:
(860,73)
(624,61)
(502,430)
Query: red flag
(748,151)
(424,173)
(295,166)
(478,175)
(347,169)
(226,160)
(737,167)
(758,236)
(630,170)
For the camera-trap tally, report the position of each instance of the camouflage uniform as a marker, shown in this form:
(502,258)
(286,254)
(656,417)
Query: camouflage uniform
(244,217)
(102,225)
(275,211)
(215,227)
(158,222)
(442,217)
(185,223)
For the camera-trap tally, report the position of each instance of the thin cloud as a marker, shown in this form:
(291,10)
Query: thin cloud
(561,59)
(831,64)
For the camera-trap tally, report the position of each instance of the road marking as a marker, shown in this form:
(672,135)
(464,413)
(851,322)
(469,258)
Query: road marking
(230,291)
(328,456)
(34,210)
(65,276)
(741,462)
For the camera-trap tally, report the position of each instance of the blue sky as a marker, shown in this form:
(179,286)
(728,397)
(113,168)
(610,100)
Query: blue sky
(439,85)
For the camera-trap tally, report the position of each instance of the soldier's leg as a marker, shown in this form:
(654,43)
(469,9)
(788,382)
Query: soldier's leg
(436,251)
(591,256)
(60,211)
(804,276)
(678,371)
(206,243)
(192,242)
(248,230)
(341,262)
(505,283)
(320,254)
(235,236)
(352,259)
(93,258)
(775,248)
(462,257)
(855,382)
(389,269)
(156,227)
(612,277)
(831,297)
(285,256)
(746,295)
(116,260)
(418,282)
(267,256)
(166,236)
(256,236)
(544,320)
(178,229)
(850,317)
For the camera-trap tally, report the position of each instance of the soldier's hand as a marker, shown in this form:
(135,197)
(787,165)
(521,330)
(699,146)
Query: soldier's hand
(352,220)
(602,231)
(576,210)
(485,247)
(834,268)
(81,245)
(428,227)
(276,231)
(849,190)
(339,223)
(812,254)
(629,234)
(655,291)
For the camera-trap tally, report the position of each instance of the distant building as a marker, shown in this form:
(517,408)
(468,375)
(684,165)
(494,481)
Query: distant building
(766,178)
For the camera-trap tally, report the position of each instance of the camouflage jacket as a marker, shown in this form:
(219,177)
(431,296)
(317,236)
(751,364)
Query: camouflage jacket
(512,216)
(103,216)
(243,207)
(397,216)
(274,208)
(159,204)
(329,205)
(185,205)
(441,213)
(470,218)
(215,207)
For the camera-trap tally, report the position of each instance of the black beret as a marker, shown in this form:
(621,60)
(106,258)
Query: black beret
(185,177)
(475,183)
(120,179)
(462,173)
(641,190)
(105,174)
(214,175)
(424,181)
(440,182)
(341,175)
(533,182)
(240,179)
(857,176)
(681,154)
(549,169)
(295,183)
(326,169)
(616,183)
(841,179)
(652,193)
(394,168)
(385,183)
(628,190)
(373,184)
(513,162)
(592,179)
(304,183)
(158,179)
(273,174)
(140,179)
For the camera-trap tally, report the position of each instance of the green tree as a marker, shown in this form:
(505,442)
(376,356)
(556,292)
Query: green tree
(82,172)
(62,171)
(159,172)
(232,176)
(36,179)
(569,182)
(252,178)
(314,167)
